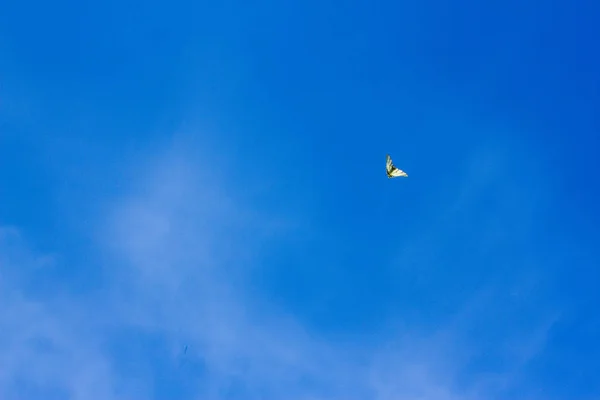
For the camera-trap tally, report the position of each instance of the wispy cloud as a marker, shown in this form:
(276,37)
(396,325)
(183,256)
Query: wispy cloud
(49,348)
(176,252)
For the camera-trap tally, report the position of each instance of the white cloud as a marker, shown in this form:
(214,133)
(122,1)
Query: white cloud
(47,347)
(176,250)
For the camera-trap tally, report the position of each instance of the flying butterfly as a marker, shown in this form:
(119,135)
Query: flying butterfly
(391,170)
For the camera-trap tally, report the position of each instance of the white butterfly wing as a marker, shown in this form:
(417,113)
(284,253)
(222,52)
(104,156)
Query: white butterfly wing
(392,170)
(398,172)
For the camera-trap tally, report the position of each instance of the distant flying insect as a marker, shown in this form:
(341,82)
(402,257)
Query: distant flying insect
(391,170)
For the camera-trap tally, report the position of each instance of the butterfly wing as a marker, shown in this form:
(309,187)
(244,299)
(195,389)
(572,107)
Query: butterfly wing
(391,170)
(398,173)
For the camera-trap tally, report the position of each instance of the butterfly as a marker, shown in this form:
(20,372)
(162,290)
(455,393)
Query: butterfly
(391,170)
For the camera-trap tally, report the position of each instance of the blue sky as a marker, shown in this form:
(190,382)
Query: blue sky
(212,176)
